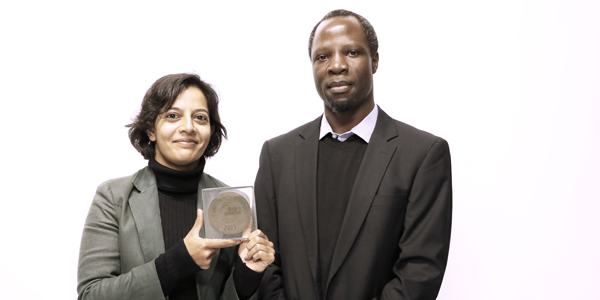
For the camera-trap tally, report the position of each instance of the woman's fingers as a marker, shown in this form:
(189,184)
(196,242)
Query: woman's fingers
(202,250)
(261,255)
(257,252)
(260,249)
(256,237)
(257,233)
(259,246)
(195,231)
(218,244)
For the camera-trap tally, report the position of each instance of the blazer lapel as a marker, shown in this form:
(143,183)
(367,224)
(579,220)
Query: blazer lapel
(203,277)
(146,213)
(375,162)
(306,154)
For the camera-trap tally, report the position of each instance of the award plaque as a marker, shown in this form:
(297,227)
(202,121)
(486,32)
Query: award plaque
(229,212)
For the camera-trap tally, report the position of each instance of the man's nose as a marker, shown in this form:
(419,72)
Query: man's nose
(338,65)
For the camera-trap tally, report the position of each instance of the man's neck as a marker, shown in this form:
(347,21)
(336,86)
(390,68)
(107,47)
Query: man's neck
(345,121)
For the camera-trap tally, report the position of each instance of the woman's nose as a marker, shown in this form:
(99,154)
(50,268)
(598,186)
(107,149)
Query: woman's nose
(187,125)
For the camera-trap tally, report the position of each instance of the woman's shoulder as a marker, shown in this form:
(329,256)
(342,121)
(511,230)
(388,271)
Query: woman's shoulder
(208,180)
(123,185)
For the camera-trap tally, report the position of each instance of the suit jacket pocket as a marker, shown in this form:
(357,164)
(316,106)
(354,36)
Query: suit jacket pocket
(390,200)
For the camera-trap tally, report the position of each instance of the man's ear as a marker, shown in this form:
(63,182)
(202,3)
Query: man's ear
(375,62)
(151,135)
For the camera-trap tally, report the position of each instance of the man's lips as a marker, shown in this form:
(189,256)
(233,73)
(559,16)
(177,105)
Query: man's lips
(339,86)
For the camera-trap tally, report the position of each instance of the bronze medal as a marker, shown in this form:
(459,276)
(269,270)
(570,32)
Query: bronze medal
(229,213)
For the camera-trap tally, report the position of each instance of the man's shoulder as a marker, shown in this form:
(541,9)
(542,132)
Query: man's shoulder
(408,134)
(297,134)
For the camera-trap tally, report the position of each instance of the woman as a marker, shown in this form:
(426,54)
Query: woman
(137,242)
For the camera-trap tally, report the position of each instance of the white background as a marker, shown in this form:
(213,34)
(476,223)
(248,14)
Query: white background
(514,86)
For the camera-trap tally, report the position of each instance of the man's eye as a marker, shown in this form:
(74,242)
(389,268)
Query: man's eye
(353,53)
(321,57)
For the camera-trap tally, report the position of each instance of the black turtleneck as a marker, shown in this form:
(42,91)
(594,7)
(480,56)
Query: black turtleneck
(177,198)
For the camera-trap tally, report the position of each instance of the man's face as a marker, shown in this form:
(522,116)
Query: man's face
(343,68)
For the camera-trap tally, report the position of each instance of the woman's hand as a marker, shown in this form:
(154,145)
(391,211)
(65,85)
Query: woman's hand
(257,252)
(203,250)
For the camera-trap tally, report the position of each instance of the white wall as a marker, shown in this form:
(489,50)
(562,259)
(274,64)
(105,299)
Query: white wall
(514,86)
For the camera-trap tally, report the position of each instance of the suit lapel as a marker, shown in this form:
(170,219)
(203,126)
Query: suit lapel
(306,154)
(375,162)
(146,213)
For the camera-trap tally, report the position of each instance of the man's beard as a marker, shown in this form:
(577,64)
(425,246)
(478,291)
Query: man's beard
(340,106)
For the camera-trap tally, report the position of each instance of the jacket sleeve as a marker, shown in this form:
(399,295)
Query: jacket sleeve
(266,204)
(99,271)
(425,240)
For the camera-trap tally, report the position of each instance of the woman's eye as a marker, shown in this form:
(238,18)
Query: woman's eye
(202,117)
(171,116)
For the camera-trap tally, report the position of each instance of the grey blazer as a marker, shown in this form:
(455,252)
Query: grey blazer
(123,235)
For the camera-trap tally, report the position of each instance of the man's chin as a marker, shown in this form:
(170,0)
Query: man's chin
(339,105)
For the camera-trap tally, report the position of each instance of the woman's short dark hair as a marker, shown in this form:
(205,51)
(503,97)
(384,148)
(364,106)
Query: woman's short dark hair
(160,97)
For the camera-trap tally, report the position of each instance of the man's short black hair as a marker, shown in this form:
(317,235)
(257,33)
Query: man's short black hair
(160,97)
(367,28)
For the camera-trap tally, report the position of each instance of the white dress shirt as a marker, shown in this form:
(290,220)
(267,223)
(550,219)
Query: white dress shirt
(364,129)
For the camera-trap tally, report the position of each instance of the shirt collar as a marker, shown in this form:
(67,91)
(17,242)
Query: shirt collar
(364,129)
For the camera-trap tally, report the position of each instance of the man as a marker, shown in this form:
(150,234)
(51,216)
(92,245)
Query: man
(357,204)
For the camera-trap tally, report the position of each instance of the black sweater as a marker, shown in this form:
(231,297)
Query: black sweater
(337,168)
(178,194)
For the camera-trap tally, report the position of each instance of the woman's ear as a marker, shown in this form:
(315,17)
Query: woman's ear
(151,135)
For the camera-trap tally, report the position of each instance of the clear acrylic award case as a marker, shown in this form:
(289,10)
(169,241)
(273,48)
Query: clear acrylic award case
(229,212)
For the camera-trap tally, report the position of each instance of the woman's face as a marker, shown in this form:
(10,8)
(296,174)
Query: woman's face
(183,131)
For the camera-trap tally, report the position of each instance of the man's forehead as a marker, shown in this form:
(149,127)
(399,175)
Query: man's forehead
(338,23)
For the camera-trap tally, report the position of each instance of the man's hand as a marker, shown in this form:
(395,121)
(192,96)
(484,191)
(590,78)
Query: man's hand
(203,250)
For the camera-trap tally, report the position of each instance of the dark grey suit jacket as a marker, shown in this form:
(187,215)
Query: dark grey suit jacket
(394,239)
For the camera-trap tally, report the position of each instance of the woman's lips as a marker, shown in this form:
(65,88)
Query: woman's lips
(186,143)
